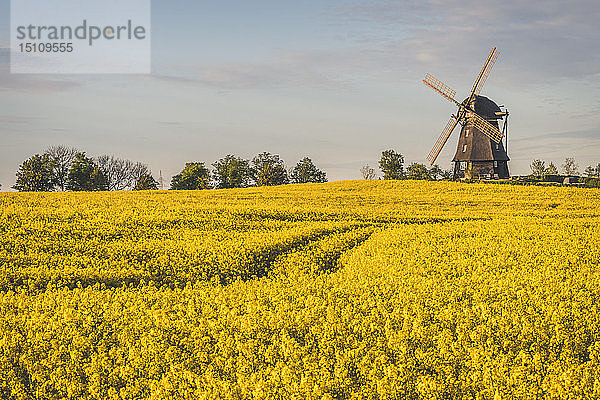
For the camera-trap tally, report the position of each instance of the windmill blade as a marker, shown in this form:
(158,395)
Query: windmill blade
(446,91)
(485,127)
(439,144)
(483,75)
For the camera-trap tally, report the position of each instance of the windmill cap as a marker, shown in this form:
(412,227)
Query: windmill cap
(485,107)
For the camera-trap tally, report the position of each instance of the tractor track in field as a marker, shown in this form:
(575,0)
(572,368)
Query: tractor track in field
(257,267)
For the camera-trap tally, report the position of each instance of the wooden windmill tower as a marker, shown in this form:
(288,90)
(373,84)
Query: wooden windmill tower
(480,152)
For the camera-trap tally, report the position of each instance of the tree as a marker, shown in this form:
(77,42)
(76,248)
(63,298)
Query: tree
(62,157)
(435,172)
(36,174)
(137,171)
(570,167)
(232,172)
(418,171)
(117,172)
(305,171)
(269,170)
(121,174)
(85,175)
(538,167)
(593,172)
(590,171)
(367,172)
(146,182)
(392,165)
(447,174)
(551,170)
(194,176)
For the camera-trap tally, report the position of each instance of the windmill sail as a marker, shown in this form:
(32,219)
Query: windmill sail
(444,90)
(485,127)
(439,144)
(483,75)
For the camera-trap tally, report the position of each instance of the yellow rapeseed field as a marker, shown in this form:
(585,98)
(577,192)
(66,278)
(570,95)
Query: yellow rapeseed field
(346,290)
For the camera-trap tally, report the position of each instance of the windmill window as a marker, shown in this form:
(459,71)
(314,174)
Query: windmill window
(497,146)
(464,148)
(495,163)
(466,133)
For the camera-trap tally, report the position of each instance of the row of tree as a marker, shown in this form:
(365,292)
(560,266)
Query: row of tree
(66,168)
(265,169)
(569,167)
(391,165)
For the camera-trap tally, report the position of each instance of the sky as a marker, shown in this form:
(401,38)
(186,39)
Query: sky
(338,81)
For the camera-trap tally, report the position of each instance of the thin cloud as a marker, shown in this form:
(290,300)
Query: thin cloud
(169,124)
(543,42)
(10,119)
(299,69)
(311,68)
(402,40)
(583,144)
(28,82)
(579,134)
(168,78)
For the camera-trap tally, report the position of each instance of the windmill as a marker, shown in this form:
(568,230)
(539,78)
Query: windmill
(480,152)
